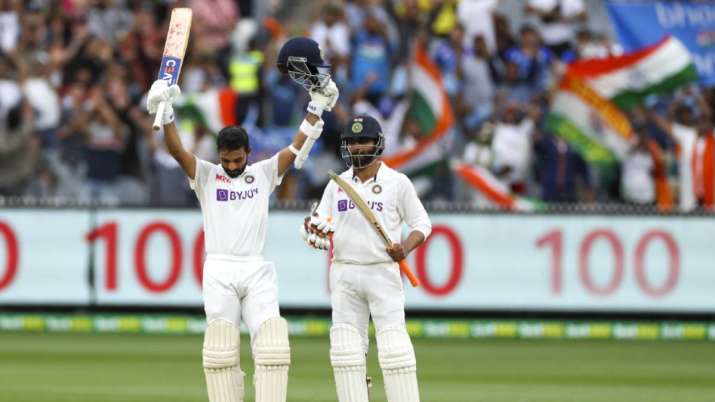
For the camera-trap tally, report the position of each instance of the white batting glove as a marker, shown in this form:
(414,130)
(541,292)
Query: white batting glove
(160,91)
(322,224)
(316,231)
(323,99)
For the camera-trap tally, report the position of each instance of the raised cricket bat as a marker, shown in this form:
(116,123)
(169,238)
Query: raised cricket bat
(367,213)
(176,40)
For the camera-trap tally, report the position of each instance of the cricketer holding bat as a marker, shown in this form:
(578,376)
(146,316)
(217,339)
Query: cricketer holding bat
(364,276)
(237,283)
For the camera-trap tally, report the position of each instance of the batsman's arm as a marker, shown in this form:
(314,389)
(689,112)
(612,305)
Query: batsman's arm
(413,240)
(186,159)
(286,156)
(414,215)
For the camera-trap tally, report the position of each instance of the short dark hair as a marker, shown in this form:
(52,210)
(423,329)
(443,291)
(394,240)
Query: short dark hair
(231,138)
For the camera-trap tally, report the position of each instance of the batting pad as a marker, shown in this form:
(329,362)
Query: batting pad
(271,354)
(398,363)
(224,378)
(348,361)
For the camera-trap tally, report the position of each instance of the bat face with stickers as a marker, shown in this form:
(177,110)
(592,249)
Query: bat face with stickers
(174,49)
(374,222)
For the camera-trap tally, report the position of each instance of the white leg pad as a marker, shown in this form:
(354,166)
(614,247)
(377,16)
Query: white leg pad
(224,378)
(398,363)
(271,354)
(348,361)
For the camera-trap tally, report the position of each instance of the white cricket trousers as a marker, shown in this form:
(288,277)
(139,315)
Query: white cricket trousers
(360,291)
(240,288)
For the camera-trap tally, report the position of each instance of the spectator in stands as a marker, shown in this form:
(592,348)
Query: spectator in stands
(212,24)
(532,59)
(512,144)
(9,24)
(637,171)
(563,174)
(371,56)
(689,125)
(476,99)
(18,147)
(559,21)
(333,36)
(104,141)
(447,54)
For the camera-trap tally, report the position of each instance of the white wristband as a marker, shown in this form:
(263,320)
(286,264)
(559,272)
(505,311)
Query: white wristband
(311,131)
(315,109)
(295,151)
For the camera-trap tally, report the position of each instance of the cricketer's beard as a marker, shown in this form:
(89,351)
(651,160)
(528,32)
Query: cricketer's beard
(362,160)
(234,172)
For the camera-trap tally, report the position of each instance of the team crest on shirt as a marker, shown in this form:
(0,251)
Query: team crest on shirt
(250,179)
(377,189)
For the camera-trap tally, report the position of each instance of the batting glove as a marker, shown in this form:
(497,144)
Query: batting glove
(323,99)
(316,231)
(160,91)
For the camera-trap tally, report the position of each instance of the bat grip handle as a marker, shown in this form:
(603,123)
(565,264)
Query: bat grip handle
(303,153)
(408,272)
(159,115)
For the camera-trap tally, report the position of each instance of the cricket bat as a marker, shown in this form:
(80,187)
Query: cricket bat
(176,40)
(367,213)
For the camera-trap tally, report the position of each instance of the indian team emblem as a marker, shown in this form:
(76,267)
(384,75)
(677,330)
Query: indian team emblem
(356,128)
(250,179)
(377,189)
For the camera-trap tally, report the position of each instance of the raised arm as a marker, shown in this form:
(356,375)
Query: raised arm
(160,91)
(664,124)
(321,99)
(312,126)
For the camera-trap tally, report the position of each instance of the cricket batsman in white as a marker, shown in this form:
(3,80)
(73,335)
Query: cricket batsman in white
(364,276)
(238,284)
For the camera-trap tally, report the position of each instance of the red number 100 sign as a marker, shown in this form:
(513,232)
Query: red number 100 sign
(555,241)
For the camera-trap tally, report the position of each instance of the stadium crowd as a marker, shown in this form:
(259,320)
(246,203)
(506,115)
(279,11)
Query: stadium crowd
(74,74)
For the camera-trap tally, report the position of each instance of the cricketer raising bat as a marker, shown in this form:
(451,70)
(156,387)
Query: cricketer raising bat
(367,213)
(176,40)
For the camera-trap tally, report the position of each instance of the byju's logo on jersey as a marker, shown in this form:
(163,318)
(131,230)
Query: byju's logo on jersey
(226,195)
(342,205)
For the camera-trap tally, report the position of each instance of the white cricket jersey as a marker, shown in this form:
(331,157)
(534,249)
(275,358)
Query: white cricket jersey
(235,210)
(391,197)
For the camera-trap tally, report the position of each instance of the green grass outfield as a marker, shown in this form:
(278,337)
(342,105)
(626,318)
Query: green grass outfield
(139,367)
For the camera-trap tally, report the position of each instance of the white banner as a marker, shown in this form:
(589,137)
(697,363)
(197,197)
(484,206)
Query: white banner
(472,262)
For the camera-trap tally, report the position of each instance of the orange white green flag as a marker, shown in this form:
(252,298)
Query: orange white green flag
(590,105)
(430,109)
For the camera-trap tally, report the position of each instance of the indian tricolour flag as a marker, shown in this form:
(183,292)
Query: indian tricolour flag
(429,107)
(496,192)
(588,110)
(214,108)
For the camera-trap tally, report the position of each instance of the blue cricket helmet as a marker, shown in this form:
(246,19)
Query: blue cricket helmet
(302,60)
